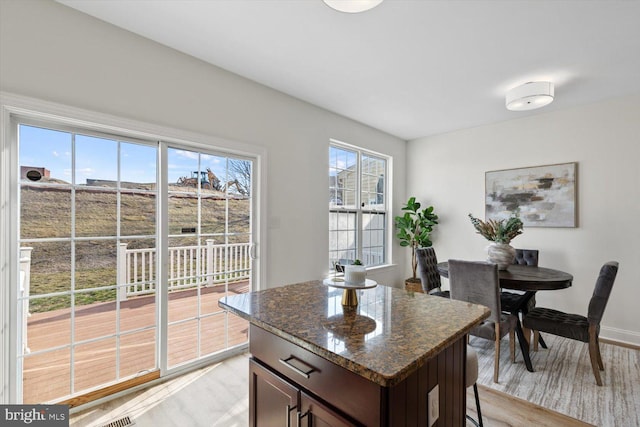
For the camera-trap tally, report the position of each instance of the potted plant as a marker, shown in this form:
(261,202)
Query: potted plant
(499,233)
(414,231)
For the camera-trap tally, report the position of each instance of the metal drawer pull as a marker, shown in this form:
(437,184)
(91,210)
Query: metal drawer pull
(288,411)
(295,369)
(300,417)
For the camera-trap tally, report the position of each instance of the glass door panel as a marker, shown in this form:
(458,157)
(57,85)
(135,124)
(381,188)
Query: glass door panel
(77,270)
(96,212)
(94,363)
(137,352)
(209,253)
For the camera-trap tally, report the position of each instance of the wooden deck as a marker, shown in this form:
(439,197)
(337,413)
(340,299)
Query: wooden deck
(47,377)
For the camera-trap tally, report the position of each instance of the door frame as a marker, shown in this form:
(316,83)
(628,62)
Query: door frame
(14,106)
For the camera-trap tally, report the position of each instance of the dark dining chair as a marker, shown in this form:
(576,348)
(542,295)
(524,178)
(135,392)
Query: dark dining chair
(526,257)
(428,272)
(578,327)
(510,300)
(477,282)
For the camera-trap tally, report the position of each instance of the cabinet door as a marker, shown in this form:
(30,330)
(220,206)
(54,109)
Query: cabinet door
(272,401)
(317,414)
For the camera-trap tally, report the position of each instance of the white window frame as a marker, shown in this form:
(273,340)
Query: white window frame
(358,207)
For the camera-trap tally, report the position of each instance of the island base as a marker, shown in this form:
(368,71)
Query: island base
(289,385)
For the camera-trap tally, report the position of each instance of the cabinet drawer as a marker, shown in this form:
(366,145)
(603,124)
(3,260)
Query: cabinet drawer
(341,388)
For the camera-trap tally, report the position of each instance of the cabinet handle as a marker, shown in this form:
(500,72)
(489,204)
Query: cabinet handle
(295,369)
(299,418)
(288,414)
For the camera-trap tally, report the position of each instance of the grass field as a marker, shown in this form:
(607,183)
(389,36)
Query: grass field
(47,213)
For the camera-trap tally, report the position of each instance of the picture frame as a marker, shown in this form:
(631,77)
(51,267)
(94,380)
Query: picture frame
(543,196)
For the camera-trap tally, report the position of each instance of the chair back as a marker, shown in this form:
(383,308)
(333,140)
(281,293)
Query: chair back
(526,257)
(476,282)
(602,291)
(427,269)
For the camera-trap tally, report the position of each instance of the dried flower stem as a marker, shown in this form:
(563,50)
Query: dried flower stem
(499,231)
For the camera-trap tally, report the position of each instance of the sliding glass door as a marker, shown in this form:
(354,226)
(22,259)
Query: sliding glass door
(89,296)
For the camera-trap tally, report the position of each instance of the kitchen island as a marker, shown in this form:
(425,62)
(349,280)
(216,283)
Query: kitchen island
(316,362)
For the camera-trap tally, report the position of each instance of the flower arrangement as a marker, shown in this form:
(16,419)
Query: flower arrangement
(499,231)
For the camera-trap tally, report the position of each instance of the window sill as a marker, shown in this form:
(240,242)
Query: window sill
(381,267)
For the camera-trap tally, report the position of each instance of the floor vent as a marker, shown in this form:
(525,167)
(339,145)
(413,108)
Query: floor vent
(122,422)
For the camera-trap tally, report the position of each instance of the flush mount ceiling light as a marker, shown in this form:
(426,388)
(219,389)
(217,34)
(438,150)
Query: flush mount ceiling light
(529,96)
(352,6)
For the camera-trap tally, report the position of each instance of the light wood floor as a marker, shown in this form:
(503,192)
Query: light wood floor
(218,396)
(47,376)
(502,410)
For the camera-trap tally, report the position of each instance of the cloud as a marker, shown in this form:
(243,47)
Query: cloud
(211,159)
(85,171)
(187,154)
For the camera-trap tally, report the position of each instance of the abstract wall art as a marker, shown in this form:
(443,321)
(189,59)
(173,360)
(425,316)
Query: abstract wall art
(544,196)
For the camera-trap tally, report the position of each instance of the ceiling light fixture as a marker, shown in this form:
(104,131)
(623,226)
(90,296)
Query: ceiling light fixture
(352,6)
(529,96)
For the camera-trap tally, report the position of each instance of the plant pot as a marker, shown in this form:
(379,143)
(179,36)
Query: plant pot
(413,284)
(502,254)
(355,274)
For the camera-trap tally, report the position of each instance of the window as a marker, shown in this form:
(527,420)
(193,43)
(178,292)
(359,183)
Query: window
(357,206)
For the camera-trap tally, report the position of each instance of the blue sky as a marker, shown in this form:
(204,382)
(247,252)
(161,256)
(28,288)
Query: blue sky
(97,158)
(340,159)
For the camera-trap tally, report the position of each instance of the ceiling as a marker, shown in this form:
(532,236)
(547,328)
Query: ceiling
(411,68)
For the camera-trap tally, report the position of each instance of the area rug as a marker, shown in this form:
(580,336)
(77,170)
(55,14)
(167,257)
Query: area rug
(563,380)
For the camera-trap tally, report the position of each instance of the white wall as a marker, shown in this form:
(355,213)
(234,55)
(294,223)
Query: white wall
(604,138)
(54,53)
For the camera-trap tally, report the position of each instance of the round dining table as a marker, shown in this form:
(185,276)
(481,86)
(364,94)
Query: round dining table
(528,279)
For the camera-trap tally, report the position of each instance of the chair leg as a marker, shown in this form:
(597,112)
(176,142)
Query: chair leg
(474,422)
(496,363)
(512,345)
(542,343)
(536,339)
(600,364)
(475,391)
(593,353)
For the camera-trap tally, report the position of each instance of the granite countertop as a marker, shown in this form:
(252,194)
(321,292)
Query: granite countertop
(391,333)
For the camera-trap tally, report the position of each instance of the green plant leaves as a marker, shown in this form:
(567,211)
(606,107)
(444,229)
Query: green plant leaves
(415,226)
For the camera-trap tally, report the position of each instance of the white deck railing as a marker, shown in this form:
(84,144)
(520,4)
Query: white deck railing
(25,284)
(188,266)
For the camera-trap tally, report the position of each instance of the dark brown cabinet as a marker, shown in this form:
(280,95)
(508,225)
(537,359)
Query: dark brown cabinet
(315,413)
(275,402)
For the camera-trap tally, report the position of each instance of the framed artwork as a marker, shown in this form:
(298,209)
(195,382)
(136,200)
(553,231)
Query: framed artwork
(544,196)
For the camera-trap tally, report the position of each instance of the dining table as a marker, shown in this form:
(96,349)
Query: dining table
(529,280)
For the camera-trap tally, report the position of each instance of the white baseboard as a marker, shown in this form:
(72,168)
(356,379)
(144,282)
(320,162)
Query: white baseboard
(620,335)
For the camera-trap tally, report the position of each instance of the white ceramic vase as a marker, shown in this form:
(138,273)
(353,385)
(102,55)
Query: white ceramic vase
(356,274)
(502,254)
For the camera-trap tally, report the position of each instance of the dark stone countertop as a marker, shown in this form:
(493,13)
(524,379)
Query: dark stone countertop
(391,333)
